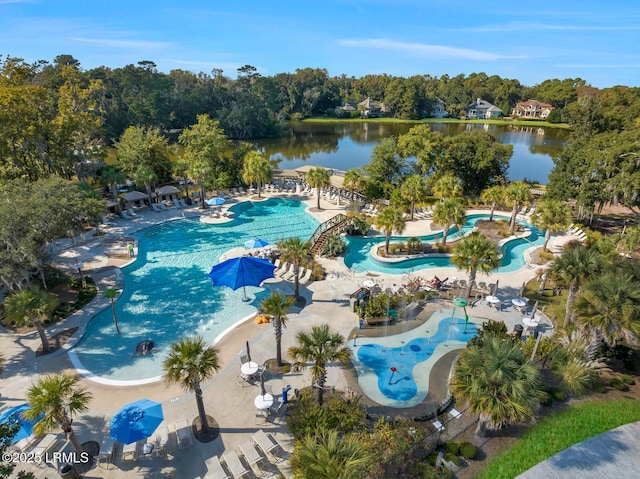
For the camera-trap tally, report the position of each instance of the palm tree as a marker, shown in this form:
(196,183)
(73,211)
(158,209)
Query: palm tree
(448,214)
(276,305)
(256,169)
(390,220)
(112,294)
(518,194)
(552,216)
(188,363)
(497,382)
(447,186)
(57,398)
(413,190)
(111,176)
(609,308)
(494,195)
(354,181)
(473,253)
(326,455)
(294,251)
(571,269)
(318,178)
(320,346)
(31,306)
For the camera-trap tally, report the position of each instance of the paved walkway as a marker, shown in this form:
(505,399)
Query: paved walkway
(229,403)
(614,454)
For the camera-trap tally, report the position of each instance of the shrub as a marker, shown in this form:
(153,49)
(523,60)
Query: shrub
(334,247)
(452,447)
(360,224)
(627,379)
(617,383)
(452,458)
(342,413)
(414,245)
(545,399)
(556,393)
(317,273)
(468,450)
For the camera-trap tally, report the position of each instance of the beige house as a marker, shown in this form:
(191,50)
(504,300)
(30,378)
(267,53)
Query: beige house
(372,108)
(532,109)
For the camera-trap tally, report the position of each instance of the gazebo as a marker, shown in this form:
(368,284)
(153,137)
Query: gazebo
(134,198)
(168,192)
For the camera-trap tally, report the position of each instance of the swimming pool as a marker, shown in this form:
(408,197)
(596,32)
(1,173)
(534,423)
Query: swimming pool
(167,294)
(395,370)
(358,255)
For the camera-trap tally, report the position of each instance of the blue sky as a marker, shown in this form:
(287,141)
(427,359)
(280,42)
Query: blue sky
(595,40)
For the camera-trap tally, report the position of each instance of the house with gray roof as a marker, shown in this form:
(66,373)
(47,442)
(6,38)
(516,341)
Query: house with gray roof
(482,109)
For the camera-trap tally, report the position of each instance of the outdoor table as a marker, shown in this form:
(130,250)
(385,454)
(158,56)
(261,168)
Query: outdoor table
(369,283)
(263,402)
(249,368)
(519,303)
(530,323)
(492,300)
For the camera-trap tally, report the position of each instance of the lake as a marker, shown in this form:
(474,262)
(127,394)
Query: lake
(348,145)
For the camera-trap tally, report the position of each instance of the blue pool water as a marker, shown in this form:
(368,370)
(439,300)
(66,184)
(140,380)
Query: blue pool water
(412,354)
(358,257)
(167,294)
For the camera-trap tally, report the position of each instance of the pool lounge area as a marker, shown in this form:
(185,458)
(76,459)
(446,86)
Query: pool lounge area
(167,294)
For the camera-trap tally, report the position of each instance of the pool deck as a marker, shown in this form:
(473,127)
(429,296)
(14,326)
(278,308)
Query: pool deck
(229,403)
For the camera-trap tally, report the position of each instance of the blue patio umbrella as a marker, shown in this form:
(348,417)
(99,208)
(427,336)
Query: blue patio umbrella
(13,415)
(240,272)
(216,201)
(136,421)
(255,243)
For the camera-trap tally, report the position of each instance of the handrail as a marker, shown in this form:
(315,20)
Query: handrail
(338,220)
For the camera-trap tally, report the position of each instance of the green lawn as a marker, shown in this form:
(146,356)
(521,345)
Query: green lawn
(558,431)
(496,121)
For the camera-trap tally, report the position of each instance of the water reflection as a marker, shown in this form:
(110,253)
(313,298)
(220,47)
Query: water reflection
(349,145)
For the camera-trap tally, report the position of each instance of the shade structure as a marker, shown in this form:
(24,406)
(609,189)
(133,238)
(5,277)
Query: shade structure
(14,415)
(216,201)
(240,272)
(255,243)
(136,421)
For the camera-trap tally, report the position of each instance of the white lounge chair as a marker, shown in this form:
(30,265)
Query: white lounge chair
(183,432)
(232,461)
(106,450)
(455,413)
(266,445)
(214,468)
(248,450)
(45,445)
(438,425)
(177,203)
(291,274)
(126,215)
(129,451)
(155,208)
(131,212)
(162,440)
(163,206)
(183,203)
(306,277)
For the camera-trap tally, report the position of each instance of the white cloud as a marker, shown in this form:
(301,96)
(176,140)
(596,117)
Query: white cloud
(122,43)
(538,27)
(424,50)
(598,65)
